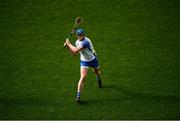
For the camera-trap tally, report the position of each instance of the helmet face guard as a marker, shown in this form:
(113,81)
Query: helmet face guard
(80,32)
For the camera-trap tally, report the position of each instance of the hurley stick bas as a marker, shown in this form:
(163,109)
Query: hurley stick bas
(77,22)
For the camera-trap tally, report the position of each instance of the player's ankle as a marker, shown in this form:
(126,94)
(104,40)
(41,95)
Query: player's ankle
(78,94)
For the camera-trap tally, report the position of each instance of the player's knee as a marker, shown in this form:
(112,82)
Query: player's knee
(83,77)
(97,71)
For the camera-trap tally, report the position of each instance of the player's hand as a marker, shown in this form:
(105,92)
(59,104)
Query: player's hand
(67,42)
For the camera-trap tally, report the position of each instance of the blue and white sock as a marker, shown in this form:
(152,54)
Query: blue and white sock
(78,94)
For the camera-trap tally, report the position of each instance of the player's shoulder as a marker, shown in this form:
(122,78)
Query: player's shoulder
(77,42)
(87,39)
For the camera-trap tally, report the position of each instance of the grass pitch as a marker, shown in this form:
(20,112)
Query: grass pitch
(138,44)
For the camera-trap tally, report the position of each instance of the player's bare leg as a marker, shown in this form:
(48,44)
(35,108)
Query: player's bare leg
(81,82)
(97,72)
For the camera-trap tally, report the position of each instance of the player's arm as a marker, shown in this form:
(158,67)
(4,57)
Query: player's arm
(72,48)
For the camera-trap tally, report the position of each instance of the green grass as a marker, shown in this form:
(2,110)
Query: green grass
(138,43)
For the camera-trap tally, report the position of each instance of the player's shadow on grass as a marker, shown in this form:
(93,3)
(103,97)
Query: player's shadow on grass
(82,102)
(126,94)
(122,94)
